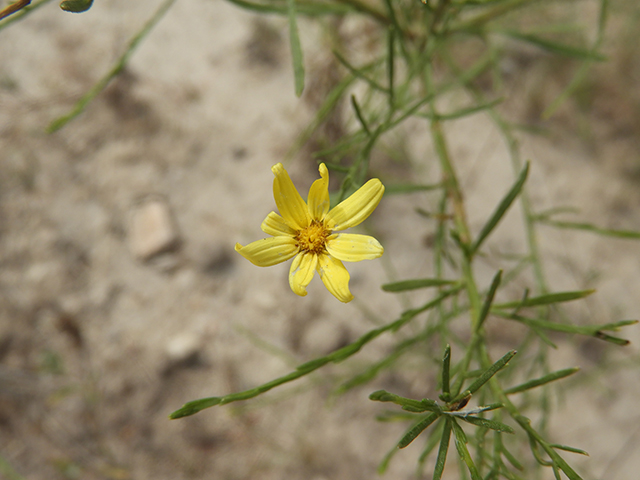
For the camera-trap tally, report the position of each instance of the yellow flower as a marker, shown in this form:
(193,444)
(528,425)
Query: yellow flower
(307,231)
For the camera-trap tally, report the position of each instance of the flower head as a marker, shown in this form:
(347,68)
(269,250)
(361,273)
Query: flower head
(309,232)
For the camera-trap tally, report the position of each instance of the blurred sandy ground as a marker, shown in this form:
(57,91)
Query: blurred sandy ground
(97,346)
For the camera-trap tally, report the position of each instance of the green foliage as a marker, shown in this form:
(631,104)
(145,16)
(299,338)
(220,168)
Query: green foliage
(402,83)
(420,56)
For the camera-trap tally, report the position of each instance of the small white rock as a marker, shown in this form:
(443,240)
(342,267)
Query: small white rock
(182,346)
(152,229)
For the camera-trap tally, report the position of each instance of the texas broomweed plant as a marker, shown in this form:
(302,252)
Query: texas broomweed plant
(309,233)
(417,65)
(424,50)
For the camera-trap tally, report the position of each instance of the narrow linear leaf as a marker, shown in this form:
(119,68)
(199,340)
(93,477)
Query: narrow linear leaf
(433,440)
(384,464)
(536,440)
(589,330)
(415,284)
(296,48)
(391,63)
(442,451)
(486,423)
(356,107)
(408,404)
(307,8)
(359,73)
(502,8)
(611,339)
(463,452)
(195,406)
(555,47)
(556,472)
(409,188)
(486,375)
(475,411)
(569,449)
(502,208)
(417,429)
(615,326)
(446,373)
(607,232)
(543,336)
(463,112)
(306,368)
(547,299)
(557,375)
(509,456)
(486,306)
(81,104)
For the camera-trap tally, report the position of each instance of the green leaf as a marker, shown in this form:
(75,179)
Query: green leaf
(442,451)
(502,208)
(296,48)
(557,375)
(588,227)
(463,452)
(308,367)
(486,423)
(356,107)
(589,330)
(446,378)
(408,404)
(486,306)
(195,406)
(391,61)
(417,429)
(611,339)
(569,449)
(415,284)
(76,6)
(510,458)
(555,47)
(486,375)
(463,112)
(384,464)
(433,439)
(306,8)
(547,299)
(409,188)
(359,73)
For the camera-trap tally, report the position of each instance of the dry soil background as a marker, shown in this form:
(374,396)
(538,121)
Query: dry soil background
(98,345)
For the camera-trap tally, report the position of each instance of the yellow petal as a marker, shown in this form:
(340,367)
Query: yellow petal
(289,202)
(275,225)
(269,251)
(318,199)
(350,247)
(335,277)
(357,207)
(302,269)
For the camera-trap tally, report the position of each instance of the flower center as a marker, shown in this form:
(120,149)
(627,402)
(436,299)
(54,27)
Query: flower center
(313,238)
